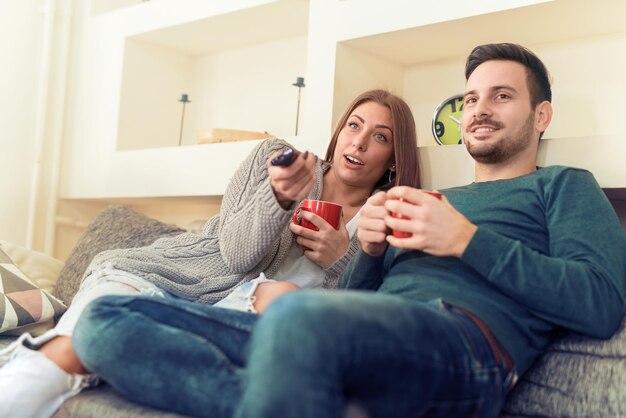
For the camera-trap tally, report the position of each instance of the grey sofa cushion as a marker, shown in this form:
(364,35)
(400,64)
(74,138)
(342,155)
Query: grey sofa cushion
(104,401)
(575,377)
(115,226)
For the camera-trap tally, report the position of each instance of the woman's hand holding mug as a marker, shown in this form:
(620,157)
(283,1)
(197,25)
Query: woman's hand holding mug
(320,231)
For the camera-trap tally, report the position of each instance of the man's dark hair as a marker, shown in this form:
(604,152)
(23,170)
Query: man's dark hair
(537,75)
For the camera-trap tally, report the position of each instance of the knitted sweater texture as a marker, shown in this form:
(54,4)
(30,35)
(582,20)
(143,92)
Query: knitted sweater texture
(250,235)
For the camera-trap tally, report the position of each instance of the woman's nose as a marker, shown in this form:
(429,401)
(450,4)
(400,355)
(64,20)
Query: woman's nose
(360,141)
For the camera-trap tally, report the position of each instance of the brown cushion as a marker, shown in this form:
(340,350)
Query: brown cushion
(114,227)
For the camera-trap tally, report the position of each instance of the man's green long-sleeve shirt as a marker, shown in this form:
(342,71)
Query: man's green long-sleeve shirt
(549,253)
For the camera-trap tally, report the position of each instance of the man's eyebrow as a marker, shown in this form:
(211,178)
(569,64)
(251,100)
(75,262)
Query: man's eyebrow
(469,93)
(492,89)
(504,87)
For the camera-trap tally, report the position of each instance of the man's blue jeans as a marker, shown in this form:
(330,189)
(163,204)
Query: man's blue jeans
(311,354)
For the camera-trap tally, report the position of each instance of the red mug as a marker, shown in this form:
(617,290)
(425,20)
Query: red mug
(331,212)
(401,234)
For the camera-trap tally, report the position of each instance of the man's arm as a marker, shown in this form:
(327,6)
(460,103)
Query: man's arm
(366,269)
(363,272)
(579,285)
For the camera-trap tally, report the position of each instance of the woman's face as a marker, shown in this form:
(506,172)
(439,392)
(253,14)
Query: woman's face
(364,149)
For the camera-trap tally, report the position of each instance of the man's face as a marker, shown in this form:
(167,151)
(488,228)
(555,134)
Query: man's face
(498,120)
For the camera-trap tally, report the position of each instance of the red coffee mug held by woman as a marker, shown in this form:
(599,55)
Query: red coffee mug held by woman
(331,212)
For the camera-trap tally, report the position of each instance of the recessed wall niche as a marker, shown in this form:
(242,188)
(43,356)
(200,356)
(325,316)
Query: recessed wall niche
(230,73)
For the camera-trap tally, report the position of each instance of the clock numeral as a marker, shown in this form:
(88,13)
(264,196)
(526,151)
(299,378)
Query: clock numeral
(440,129)
(453,103)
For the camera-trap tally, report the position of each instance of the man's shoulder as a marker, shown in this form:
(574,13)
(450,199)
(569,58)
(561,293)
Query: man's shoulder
(553,170)
(558,180)
(562,171)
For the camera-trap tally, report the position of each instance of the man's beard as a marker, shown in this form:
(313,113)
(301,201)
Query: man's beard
(504,148)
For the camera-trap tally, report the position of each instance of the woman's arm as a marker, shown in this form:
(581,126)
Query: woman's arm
(251,219)
(333,273)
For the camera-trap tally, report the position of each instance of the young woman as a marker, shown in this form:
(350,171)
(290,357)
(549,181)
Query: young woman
(373,147)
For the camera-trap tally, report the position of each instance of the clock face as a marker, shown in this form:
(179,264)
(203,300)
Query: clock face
(447,121)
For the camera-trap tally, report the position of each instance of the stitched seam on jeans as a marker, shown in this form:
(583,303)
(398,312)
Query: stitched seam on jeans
(166,303)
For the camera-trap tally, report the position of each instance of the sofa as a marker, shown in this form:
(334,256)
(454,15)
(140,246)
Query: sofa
(576,376)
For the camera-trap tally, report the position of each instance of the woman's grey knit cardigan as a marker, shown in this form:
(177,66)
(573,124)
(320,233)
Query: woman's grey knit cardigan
(250,235)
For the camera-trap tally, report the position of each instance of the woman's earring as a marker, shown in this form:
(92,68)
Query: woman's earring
(392,176)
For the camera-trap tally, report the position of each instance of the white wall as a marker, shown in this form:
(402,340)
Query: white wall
(426,86)
(357,72)
(588,92)
(20,46)
(588,86)
(152,83)
(250,88)
(242,89)
(103,6)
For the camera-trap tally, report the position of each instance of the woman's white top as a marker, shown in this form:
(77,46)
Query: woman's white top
(301,271)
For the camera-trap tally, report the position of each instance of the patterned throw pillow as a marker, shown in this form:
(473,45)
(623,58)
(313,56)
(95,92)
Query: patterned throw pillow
(22,302)
(38,267)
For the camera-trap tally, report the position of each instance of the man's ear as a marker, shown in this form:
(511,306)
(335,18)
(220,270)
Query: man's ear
(543,115)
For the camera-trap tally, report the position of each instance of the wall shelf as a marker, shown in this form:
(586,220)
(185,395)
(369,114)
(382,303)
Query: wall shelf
(229,66)
(442,37)
(407,52)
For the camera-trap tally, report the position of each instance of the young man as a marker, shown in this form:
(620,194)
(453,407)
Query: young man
(468,302)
